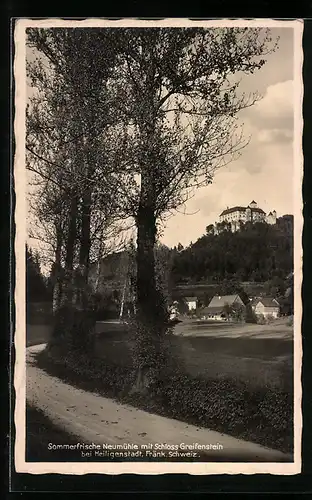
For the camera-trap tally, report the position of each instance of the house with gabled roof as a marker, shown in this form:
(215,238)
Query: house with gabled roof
(217,308)
(266,306)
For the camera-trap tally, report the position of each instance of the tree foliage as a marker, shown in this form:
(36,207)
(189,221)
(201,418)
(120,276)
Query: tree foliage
(179,99)
(70,132)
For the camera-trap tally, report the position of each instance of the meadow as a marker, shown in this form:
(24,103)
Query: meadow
(260,355)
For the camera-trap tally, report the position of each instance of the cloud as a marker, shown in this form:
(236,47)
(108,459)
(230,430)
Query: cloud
(277,101)
(275,135)
(276,109)
(269,124)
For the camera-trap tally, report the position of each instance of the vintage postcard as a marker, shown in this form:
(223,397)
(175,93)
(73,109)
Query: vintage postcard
(158,174)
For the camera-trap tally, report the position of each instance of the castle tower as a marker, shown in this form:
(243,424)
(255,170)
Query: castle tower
(271,217)
(253,204)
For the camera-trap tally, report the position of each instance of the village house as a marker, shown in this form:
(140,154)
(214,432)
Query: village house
(265,306)
(216,309)
(191,303)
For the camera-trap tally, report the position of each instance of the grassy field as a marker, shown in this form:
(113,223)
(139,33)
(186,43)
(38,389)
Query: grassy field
(260,355)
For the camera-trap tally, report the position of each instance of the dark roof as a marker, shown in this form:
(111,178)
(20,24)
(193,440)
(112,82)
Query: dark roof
(253,201)
(233,209)
(220,301)
(212,310)
(241,209)
(266,301)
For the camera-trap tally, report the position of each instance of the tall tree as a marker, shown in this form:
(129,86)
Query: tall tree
(70,135)
(180,99)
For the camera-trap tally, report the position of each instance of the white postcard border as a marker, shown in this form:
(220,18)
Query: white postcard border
(20,239)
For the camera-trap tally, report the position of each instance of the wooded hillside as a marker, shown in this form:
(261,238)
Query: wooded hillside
(259,252)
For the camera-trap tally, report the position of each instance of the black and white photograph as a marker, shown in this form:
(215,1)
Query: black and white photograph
(158,178)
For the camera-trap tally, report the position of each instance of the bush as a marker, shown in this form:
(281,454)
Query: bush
(270,318)
(226,405)
(38,313)
(74,328)
(290,321)
(261,319)
(192,313)
(250,315)
(105,306)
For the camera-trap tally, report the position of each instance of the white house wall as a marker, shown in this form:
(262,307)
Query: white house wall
(191,305)
(267,311)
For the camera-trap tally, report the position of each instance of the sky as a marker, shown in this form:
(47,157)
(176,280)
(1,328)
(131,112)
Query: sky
(264,171)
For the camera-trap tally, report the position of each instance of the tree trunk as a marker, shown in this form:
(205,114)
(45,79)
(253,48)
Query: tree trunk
(56,274)
(64,317)
(85,241)
(85,233)
(98,267)
(80,298)
(150,310)
(67,296)
(146,281)
(85,316)
(150,314)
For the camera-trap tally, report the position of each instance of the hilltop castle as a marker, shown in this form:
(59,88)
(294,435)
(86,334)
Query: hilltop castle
(235,216)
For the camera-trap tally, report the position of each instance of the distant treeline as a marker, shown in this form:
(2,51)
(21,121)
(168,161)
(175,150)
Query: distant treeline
(259,252)
(259,255)
(38,287)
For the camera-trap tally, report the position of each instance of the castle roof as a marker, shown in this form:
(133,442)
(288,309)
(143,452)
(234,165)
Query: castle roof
(233,209)
(241,209)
